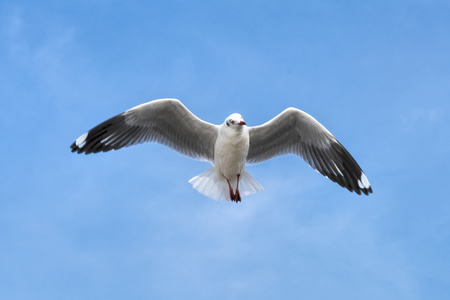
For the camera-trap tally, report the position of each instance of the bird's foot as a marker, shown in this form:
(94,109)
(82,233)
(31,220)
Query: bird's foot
(232,195)
(237,196)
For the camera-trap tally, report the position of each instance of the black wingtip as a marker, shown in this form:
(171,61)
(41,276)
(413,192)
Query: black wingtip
(364,184)
(367,191)
(74,147)
(350,174)
(93,140)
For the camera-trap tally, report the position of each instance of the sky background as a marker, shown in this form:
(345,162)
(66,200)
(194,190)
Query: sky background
(127,224)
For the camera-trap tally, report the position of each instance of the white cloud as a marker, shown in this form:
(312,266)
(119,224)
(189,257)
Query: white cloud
(418,117)
(12,28)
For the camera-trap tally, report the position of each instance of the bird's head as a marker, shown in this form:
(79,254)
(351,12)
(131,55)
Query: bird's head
(235,121)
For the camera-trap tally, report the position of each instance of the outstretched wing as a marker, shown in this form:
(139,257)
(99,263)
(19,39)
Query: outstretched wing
(296,132)
(166,121)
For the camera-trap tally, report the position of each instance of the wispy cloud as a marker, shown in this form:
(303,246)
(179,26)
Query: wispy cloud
(11,31)
(419,117)
(44,57)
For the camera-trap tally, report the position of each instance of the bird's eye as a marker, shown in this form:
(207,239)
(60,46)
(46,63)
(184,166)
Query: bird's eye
(231,121)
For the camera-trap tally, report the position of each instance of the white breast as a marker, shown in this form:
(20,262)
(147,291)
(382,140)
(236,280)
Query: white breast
(230,151)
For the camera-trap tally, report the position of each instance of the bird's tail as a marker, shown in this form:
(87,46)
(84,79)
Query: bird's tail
(208,184)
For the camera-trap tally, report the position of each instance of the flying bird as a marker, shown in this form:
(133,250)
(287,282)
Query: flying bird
(228,147)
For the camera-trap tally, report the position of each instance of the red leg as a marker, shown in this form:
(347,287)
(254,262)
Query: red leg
(232,195)
(238,195)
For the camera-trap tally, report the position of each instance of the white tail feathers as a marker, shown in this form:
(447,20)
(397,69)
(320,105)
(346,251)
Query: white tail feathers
(208,184)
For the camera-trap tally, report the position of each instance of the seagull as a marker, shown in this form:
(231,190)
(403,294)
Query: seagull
(228,147)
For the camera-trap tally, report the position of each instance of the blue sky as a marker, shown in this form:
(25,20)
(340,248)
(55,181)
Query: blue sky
(127,224)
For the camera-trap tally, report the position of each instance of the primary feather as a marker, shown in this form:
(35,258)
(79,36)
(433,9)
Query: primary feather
(296,132)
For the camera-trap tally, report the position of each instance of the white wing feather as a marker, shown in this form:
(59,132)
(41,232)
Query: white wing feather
(296,132)
(166,121)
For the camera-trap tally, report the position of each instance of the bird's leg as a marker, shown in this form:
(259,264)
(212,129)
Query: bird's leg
(232,195)
(237,195)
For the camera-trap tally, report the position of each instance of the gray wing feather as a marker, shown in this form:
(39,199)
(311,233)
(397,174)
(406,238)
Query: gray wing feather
(166,121)
(296,132)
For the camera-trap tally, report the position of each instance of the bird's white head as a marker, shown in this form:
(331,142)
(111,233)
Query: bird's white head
(234,121)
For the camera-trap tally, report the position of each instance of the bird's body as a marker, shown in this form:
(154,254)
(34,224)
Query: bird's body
(230,154)
(229,147)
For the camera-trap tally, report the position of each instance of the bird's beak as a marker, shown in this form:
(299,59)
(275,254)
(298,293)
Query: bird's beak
(242,123)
